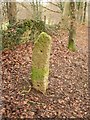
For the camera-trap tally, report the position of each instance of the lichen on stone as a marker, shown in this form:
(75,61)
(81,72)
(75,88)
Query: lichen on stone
(40,62)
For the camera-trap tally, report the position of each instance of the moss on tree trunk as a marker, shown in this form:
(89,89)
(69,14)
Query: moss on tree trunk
(71,43)
(72,29)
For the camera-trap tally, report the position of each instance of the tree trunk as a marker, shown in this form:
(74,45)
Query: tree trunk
(37,10)
(44,19)
(72,30)
(71,41)
(66,9)
(81,12)
(11,12)
(78,4)
(84,11)
(65,16)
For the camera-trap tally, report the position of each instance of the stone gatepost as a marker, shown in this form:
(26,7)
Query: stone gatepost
(40,62)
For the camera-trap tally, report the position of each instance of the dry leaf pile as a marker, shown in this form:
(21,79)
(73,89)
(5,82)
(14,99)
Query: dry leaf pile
(67,95)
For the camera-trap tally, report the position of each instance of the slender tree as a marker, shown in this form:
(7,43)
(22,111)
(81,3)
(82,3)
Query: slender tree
(37,9)
(84,11)
(72,29)
(11,11)
(66,14)
(66,9)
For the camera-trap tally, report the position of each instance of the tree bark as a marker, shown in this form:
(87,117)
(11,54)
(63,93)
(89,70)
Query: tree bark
(72,30)
(37,10)
(84,11)
(11,12)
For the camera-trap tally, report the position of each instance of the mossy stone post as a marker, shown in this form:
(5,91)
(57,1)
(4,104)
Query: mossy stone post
(40,62)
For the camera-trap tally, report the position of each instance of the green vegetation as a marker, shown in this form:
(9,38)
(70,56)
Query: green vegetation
(13,35)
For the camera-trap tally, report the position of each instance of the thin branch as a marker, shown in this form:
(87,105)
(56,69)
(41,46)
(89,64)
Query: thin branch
(57,5)
(51,9)
(54,4)
(24,6)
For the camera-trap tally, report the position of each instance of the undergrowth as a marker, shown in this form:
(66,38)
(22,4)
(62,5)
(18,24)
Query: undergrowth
(12,36)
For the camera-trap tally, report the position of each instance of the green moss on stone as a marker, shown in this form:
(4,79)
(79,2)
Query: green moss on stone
(40,62)
(38,74)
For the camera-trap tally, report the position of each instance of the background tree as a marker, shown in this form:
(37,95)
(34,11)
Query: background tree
(37,9)
(72,29)
(84,11)
(66,14)
(81,11)
(11,11)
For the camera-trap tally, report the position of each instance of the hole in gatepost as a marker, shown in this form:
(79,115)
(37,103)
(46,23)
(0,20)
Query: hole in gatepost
(41,50)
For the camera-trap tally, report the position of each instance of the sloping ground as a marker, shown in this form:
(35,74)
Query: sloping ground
(67,95)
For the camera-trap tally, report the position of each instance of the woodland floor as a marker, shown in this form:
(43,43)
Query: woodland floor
(67,95)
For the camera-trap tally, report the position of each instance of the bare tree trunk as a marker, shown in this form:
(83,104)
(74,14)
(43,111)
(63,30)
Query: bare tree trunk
(37,9)
(81,12)
(84,11)
(78,4)
(66,9)
(44,19)
(65,16)
(72,29)
(11,12)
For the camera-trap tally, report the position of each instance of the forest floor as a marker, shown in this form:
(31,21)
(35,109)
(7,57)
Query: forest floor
(67,94)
